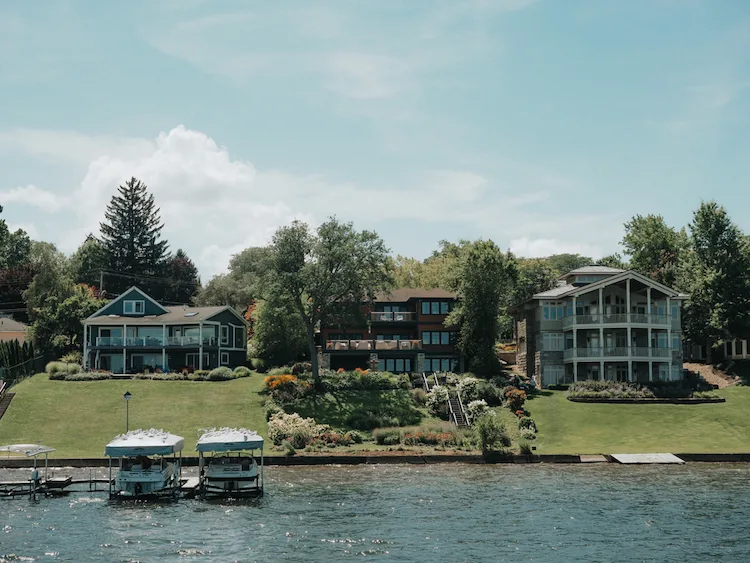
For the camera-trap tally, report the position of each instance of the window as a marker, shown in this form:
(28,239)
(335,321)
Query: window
(133,307)
(425,307)
(224,334)
(676,344)
(225,358)
(738,347)
(443,307)
(553,341)
(553,375)
(435,308)
(381,365)
(445,338)
(552,310)
(399,365)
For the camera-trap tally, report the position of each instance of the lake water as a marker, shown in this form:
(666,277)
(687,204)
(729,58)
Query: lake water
(602,512)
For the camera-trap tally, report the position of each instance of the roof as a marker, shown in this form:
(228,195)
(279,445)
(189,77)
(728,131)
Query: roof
(555,291)
(569,289)
(228,440)
(11,325)
(176,315)
(144,442)
(594,270)
(29,450)
(403,294)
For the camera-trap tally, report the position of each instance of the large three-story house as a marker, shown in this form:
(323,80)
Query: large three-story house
(404,333)
(601,323)
(134,332)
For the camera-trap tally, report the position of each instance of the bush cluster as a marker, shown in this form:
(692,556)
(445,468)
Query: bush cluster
(477,408)
(491,433)
(609,390)
(527,423)
(292,428)
(514,398)
(79,376)
(65,367)
(363,380)
(437,401)
(387,436)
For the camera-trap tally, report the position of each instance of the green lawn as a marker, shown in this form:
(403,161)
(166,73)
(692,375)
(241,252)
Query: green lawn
(78,418)
(580,428)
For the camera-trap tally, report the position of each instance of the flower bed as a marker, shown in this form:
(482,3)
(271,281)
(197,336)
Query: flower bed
(676,392)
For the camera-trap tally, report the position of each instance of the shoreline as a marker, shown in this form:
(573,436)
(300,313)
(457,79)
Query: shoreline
(390,459)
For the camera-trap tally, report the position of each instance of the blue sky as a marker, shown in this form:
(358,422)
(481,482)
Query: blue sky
(544,125)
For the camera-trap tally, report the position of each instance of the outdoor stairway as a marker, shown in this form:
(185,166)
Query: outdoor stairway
(458,416)
(5,402)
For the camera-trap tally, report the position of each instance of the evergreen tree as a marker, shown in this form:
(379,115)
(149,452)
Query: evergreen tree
(131,237)
(183,277)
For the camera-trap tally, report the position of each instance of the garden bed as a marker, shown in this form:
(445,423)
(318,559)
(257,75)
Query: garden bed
(649,400)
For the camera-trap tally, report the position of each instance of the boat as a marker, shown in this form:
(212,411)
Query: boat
(37,483)
(139,476)
(231,471)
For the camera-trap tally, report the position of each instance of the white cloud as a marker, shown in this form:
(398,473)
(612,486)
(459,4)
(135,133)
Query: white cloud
(368,76)
(539,248)
(32,196)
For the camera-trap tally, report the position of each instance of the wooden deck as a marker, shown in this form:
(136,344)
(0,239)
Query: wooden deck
(646,458)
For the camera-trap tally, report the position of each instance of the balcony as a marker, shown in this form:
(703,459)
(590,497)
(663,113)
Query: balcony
(153,342)
(606,352)
(372,345)
(393,317)
(663,321)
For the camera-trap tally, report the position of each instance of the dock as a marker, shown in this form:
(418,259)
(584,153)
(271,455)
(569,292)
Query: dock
(646,458)
(189,486)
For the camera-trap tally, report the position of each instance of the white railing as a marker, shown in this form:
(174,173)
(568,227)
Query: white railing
(617,352)
(392,316)
(342,345)
(153,341)
(619,318)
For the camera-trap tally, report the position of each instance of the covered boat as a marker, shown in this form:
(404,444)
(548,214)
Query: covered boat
(37,482)
(232,469)
(139,475)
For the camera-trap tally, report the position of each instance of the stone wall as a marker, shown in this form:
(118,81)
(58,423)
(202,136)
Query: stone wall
(521,356)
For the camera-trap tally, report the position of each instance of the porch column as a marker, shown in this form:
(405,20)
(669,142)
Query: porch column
(85,347)
(200,346)
(124,348)
(164,347)
(650,370)
(601,370)
(575,370)
(669,338)
(601,326)
(630,370)
(629,328)
(648,314)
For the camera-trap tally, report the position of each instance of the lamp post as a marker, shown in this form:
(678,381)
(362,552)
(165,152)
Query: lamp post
(127,396)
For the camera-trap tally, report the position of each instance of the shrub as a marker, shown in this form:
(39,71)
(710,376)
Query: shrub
(285,370)
(367,420)
(288,448)
(468,387)
(293,428)
(259,365)
(86,376)
(475,409)
(528,434)
(610,390)
(526,422)
(167,376)
(419,396)
(515,398)
(301,367)
(271,408)
(222,373)
(437,399)
(332,439)
(428,438)
(491,433)
(490,393)
(354,437)
(58,376)
(696,394)
(242,371)
(142,376)
(525,448)
(72,358)
(53,367)
(387,436)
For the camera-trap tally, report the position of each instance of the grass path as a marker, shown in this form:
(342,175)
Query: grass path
(580,428)
(78,418)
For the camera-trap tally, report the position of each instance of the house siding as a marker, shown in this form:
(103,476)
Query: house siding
(116,306)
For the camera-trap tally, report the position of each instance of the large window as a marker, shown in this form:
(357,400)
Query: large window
(443,337)
(395,365)
(224,334)
(553,341)
(440,364)
(133,307)
(436,307)
(552,310)
(553,375)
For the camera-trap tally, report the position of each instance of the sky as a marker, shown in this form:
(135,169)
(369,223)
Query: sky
(543,125)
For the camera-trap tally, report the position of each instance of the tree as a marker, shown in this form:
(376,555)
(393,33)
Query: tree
(279,335)
(131,237)
(244,283)
(88,262)
(534,276)
(486,279)
(183,280)
(407,272)
(653,247)
(441,268)
(326,275)
(614,261)
(564,263)
(16,272)
(715,273)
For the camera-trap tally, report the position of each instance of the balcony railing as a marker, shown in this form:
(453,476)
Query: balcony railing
(392,317)
(618,352)
(343,345)
(153,341)
(620,318)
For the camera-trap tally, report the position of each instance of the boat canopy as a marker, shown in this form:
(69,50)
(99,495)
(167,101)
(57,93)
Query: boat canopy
(144,442)
(229,440)
(29,450)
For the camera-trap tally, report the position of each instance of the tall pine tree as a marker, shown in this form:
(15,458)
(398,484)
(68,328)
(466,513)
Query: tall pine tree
(183,282)
(131,240)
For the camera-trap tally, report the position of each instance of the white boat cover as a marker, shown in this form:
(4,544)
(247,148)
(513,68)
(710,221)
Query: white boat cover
(29,450)
(229,440)
(144,442)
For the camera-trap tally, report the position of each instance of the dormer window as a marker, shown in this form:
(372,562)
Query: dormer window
(133,307)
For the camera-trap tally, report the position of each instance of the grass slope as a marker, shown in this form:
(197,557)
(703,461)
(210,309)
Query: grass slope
(580,428)
(79,418)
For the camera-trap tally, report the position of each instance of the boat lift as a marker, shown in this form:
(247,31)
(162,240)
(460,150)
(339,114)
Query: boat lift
(36,483)
(235,475)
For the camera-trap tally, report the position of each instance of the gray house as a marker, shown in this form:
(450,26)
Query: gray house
(134,332)
(604,324)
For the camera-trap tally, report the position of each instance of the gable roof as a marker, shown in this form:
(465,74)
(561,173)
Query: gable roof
(403,294)
(570,290)
(595,269)
(8,324)
(124,294)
